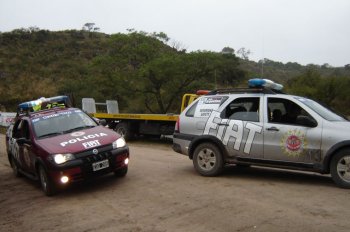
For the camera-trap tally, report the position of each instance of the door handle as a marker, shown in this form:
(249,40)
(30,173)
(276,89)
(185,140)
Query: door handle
(273,129)
(223,124)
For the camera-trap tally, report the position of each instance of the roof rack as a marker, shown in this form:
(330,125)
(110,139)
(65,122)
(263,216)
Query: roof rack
(256,85)
(43,104)
(245,90)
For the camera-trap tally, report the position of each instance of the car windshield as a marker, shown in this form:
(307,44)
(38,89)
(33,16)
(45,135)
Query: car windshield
(321,110)
(61,122)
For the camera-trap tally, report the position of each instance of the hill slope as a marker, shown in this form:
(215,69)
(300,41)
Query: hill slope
(139,69)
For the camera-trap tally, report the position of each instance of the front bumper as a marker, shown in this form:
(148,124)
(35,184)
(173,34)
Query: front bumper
(81,168)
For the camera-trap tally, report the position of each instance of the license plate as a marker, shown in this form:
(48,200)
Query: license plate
(100,165)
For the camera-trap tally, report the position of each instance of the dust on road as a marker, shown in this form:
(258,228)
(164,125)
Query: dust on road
(162,192)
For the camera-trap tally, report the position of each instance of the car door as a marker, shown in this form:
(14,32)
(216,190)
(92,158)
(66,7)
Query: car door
(22,145)
(238,124)
(290,132)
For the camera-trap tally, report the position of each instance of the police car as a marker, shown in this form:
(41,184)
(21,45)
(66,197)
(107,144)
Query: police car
(260,125)
(59,145)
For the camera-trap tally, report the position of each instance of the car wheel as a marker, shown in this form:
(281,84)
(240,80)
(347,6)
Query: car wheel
(14,167)
(208,160)
(46,184)
(124,130)
(340,168)
(121,172)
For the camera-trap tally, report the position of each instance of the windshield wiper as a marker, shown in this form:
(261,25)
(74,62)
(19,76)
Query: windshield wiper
(50,134)
(78,128)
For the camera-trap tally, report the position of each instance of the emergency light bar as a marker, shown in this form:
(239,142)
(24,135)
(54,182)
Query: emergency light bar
(43,102)
(265,83)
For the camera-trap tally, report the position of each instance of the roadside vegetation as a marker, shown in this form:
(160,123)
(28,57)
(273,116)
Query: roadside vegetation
(145,72)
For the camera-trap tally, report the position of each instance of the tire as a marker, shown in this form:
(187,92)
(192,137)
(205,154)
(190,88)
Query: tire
(340,168)
(46,183)
(121,172)
(123,129)
(208,160)
(14,167)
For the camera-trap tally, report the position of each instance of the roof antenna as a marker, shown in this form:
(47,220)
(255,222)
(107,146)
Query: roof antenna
(263,54)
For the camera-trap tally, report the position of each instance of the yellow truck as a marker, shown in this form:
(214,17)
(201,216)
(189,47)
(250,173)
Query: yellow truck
(132,125)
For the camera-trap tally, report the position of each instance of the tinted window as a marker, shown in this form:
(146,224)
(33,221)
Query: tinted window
(191,110)
(21,130)
(286,112)
(245,109)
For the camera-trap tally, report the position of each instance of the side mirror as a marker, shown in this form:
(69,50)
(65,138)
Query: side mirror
(103,122)
(22,141)
(306,121)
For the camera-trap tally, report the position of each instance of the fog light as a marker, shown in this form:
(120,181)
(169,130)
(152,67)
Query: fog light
(126,161)
(64,179)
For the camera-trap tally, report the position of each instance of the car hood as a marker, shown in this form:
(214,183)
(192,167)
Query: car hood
(78,141)
(336,131)
(344,125)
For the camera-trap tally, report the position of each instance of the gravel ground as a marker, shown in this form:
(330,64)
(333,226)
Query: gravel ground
(162,192)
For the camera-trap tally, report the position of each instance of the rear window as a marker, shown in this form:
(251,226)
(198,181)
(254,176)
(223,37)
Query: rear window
(203,107)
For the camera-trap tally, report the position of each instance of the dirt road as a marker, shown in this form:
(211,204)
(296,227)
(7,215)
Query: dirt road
(162,192)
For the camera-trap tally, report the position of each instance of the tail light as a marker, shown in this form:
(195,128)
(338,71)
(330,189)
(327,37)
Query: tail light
(177,125)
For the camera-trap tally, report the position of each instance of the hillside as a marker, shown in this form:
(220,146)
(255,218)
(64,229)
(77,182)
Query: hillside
(141,70)
(282,72)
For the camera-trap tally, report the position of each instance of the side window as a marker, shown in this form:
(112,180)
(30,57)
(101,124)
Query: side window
(16,132)
(205,105)
(190,112)
(245,109)
(21,130)
(285,112)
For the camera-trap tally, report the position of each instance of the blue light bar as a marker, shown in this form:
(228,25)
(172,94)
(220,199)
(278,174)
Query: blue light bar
(31,105)
(265,83)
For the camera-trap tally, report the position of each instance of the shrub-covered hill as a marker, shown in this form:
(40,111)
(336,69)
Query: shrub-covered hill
(143,71)
(139,69)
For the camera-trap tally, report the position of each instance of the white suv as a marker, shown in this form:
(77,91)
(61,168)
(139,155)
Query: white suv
(262,126)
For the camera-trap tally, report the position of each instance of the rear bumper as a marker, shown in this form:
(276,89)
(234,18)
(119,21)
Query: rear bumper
(181,143)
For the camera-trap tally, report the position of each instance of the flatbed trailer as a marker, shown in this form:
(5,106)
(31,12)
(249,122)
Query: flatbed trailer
(133,125)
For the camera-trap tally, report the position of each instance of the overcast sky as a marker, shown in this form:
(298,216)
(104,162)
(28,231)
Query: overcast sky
(303,31)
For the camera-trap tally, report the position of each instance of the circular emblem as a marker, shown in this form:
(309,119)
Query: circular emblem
(95,151)
(77,134)
(294,143)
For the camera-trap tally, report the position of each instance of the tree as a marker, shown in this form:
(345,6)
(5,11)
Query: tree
(164,80)
(243,53)
(228,50)
(90,27)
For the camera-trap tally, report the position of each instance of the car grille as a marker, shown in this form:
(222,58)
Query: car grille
(95,158)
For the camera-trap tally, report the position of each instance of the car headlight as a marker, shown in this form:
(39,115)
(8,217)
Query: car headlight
(119,143)
(62,158)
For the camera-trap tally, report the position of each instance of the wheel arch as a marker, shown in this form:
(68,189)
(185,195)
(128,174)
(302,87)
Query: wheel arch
(206,139)
(331,152)
(37,164)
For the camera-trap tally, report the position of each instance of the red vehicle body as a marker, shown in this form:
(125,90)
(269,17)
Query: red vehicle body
(63,145)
